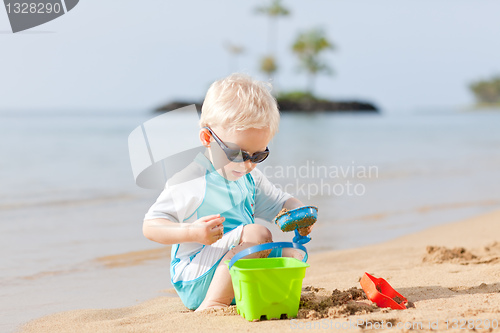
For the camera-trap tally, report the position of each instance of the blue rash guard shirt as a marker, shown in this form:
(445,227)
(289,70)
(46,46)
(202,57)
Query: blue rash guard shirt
(197,191)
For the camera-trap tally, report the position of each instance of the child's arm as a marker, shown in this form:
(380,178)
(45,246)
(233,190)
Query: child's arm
(292,203)
(205,230)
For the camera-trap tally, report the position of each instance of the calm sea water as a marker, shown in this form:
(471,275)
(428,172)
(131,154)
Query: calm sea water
(67,194)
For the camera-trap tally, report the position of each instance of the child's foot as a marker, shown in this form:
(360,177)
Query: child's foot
(211,305)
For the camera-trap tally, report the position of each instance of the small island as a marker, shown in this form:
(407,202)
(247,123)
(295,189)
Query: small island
(295,102)
(486,92)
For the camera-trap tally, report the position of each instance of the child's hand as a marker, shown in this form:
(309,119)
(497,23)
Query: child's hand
(208,229)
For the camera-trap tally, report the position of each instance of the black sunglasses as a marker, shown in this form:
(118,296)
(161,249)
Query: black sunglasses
(238,155)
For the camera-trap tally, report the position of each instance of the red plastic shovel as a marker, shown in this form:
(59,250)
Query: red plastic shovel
(381,293)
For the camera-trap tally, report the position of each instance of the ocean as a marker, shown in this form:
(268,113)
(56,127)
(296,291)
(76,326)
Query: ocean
(68,199)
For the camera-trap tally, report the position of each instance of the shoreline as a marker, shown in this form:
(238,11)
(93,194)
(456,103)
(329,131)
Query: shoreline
(443,285)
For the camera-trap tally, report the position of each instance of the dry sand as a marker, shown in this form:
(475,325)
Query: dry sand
(451,273)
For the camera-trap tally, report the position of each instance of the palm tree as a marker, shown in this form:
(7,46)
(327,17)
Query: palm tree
(268,65)
(308,46)
(273,12)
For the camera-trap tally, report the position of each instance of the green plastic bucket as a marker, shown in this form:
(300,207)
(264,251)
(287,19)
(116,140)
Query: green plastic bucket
(267,288)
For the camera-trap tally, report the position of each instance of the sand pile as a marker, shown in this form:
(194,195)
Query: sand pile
(441,254)
(317,303)
(460,255)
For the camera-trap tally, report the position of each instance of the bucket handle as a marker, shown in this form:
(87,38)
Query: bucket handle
(267,246)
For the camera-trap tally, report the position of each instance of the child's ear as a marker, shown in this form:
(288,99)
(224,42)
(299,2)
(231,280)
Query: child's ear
(205,137)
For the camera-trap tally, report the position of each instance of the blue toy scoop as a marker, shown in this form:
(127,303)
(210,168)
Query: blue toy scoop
(302,217)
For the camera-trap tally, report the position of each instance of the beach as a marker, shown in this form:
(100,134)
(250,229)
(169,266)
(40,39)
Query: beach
(71,223)
(389,127)
(449,272)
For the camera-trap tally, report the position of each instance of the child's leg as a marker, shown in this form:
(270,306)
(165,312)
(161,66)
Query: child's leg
(293,253)
(220,293)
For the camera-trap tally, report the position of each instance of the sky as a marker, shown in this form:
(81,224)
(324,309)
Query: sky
(136,55)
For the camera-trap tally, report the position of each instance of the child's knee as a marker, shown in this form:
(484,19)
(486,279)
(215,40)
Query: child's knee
(256,233)
(293,253)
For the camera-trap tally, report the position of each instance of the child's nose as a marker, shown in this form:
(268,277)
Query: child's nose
(248,164)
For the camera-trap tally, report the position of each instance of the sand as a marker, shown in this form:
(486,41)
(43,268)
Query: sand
(451,274)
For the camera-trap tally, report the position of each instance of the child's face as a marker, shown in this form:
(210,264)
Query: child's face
(251,140)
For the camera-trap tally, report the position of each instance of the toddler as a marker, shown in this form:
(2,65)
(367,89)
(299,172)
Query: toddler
(207,210)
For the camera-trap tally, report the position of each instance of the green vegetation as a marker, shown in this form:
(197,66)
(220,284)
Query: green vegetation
(487,92)
(298,96)
(306,101)
(308,46)
(268,65)
(273,11)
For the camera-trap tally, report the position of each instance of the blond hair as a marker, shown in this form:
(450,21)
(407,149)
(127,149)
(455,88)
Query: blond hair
(239,102)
